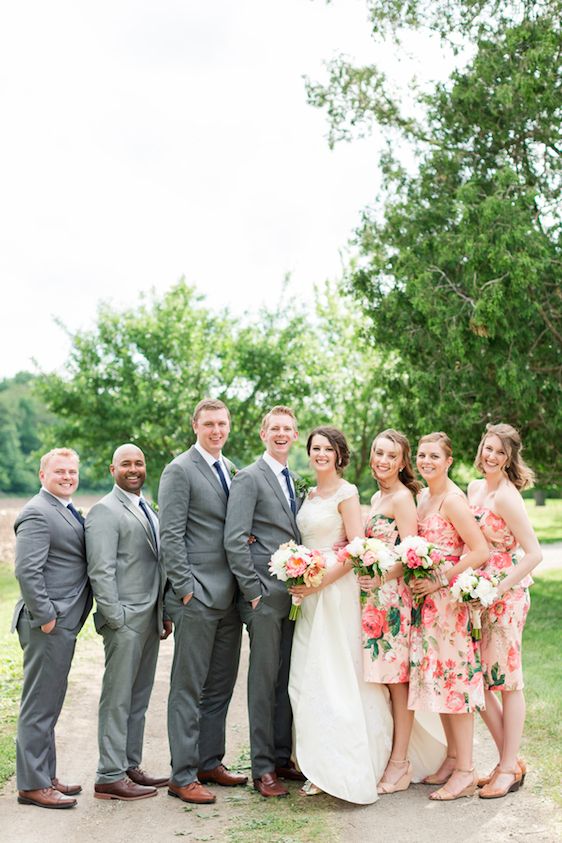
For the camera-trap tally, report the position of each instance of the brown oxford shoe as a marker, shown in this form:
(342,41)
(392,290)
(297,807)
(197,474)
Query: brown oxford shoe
(290,772)
(124,789)
(268,785)
(66,789)
(45,797)
(221,775)
(138,776)
(192,792)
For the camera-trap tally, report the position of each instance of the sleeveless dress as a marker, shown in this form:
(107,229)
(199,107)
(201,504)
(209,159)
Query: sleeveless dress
(445,669)
(386,617)
(503,621)
(342,725)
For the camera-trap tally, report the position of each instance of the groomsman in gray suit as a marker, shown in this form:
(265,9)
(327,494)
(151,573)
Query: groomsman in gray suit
(261,515)
(194,490)
(56,600)
(128,584)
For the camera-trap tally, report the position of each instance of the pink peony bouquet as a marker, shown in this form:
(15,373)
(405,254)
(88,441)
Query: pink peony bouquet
(419,559)
(477,588)
(296,564)
(369,557)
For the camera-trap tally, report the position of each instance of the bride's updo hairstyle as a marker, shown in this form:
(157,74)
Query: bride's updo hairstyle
(441,439)
(516,469)
(406,473)
(338,442)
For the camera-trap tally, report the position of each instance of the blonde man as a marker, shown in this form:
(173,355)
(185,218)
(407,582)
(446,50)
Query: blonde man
(261,515)
(55,601)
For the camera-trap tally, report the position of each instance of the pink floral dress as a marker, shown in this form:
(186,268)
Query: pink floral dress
(445,670)
(503,622)
(385,618)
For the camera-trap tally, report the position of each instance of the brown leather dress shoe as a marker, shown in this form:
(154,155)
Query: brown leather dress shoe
(124,789)
(67,789)
(45,797)
(290,772)
(268,785)
(192,792)
(221,775)
(138,776)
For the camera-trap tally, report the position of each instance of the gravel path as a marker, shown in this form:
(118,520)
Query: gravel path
(401,817)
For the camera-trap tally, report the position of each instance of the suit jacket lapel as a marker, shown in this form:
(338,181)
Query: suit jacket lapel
(208,473)
(63,511)
(275,485)
(140,516)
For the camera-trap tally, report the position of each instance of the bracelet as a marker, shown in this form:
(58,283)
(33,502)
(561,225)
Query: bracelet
(443,578)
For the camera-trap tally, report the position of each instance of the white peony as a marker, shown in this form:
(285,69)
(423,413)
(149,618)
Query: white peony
(485,591)
(356,547)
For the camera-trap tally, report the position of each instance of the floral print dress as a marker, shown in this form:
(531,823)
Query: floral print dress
(445,669)
(503,621)
(385,618)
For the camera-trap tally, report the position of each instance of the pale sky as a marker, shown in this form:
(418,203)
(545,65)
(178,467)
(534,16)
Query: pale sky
(143,140)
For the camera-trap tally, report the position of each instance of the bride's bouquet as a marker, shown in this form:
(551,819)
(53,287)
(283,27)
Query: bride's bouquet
(296,564)
(419,559)
(369,557)
(477,588)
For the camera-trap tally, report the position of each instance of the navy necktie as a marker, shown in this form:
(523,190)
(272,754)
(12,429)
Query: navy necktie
(287,475)
(218,468)
(144,508)
(76,514)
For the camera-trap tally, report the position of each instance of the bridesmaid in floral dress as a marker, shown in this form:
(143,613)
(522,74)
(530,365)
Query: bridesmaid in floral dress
(498,506)
(445,671)
(387,609)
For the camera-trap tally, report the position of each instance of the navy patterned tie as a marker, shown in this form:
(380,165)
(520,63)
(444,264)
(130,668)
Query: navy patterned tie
(144,508)
(76,514)
(218,468)
(287,475)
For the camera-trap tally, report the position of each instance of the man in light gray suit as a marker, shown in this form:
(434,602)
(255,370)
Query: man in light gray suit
(193,494)
(128,584)
(56,600)
(261,515)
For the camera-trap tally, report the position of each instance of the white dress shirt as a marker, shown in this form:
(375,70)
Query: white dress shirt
(277,468)
(211,460)
(136,499)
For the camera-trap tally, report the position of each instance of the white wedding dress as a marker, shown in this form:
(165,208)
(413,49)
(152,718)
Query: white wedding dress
(342,724)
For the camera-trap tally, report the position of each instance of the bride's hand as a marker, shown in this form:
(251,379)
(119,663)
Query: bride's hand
(303,590)
(367,583)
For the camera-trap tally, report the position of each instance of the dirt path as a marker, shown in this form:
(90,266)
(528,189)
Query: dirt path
(240,814)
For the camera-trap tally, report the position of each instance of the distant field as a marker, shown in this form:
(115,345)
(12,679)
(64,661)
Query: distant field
(546,520)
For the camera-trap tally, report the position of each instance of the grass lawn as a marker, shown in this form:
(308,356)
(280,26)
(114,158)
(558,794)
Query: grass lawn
(546,520)
(543,684)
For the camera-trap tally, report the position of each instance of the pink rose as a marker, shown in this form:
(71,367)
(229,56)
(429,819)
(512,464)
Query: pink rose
(462,619)
(374,621)
(404,672)
(435,556)
(500,560)
(429,612)
(412,559)
(498,609)
(455,701)
(342,555)
(296,566)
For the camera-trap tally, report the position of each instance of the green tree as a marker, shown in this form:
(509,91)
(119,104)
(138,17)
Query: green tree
(140,372)
(460,273)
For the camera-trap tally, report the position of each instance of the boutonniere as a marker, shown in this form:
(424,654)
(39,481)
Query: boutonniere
(80,511)
(301,486)
(154,506)
(233,471)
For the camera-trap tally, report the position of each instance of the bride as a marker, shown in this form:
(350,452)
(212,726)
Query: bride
(343,725)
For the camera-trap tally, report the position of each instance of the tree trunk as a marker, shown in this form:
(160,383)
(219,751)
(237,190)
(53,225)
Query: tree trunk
(540,497)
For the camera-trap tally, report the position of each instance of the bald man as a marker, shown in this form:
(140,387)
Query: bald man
(128,581)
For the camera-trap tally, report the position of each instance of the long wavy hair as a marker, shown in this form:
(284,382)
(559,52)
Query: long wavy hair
(406,473)
(515,468)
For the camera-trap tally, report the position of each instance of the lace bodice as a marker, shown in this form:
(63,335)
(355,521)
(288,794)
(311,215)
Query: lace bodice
(319,520)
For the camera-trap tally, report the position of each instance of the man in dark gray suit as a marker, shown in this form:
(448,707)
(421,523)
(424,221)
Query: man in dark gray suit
(56,599)
(193,494)
(128,584)
(262,515)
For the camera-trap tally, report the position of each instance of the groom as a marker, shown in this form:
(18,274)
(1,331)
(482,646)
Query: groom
(261,515)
